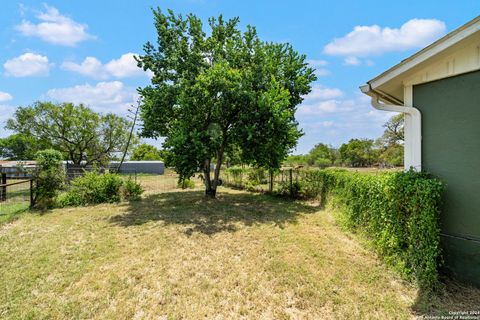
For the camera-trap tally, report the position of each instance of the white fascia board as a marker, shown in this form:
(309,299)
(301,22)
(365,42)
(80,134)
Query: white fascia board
(430,51)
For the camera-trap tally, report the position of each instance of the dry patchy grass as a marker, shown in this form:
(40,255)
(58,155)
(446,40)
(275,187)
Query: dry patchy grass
(178,255)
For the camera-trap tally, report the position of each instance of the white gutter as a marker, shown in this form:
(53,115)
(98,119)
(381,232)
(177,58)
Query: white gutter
(412,128)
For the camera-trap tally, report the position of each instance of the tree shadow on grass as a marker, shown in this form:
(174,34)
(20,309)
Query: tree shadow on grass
(209,216)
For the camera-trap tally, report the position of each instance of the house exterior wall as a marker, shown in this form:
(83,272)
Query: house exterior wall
(451,150)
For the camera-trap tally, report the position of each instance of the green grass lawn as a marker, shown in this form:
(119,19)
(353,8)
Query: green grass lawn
(11,211)
(178,255)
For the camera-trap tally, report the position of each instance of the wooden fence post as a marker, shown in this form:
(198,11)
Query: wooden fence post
(3,189)
(270,184)
(290,174)
(32,199)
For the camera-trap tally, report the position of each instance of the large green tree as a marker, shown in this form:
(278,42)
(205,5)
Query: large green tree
(296,160)
(321,155)
(20,147)
(391,142)
(222,89)
(358,153)
(146,152)
(83,136)
(394,129)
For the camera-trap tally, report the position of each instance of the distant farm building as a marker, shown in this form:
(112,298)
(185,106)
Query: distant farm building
(22,169)
(150,167)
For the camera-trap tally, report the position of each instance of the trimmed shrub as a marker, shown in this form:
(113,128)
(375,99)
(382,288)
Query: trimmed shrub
(49,177)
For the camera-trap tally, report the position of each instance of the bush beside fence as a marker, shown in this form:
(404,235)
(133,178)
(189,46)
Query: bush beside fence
(94,188)
(398,212)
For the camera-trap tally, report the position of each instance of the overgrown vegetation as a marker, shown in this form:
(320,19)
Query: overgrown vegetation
(49,178)
(132,190)
(397,211)
(246,177)
(93,188)
(186,183)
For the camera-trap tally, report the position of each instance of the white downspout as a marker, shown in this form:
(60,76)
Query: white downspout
(413,132)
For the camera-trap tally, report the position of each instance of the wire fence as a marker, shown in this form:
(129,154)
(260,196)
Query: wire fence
(153,183)
(283,181)
(17,187)
(16,193)
(150,182)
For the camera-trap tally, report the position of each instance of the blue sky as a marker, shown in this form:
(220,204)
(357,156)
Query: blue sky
(81,51)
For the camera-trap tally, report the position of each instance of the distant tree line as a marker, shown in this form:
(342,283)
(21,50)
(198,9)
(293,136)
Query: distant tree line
(146,152)
(384,151)
(86,137)
(83,136)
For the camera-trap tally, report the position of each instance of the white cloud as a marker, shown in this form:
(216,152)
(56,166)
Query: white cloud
(355,61)
(320,108)
(89,67)
(326,106)
(373,40)
(319,66)
(5,96)
(352,61)
(123,67)
(6,112)
(55,28)
(320,92)
(320,100)
(111,96)
(26,65)
(327,124)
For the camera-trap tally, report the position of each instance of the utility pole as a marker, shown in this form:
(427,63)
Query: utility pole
(134,118)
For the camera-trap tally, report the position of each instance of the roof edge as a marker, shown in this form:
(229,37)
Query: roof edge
(436,47)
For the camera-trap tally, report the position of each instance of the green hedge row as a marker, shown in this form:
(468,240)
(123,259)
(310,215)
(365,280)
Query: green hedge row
(397,211)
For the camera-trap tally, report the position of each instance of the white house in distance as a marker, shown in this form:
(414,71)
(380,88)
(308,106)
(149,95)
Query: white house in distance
(438,90)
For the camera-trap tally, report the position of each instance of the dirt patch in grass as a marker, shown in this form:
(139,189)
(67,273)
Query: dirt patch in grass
(179,255)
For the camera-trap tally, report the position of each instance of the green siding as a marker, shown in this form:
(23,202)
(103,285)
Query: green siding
(451,150)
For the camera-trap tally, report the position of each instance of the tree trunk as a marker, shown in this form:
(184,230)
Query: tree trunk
(208,181)
(211,186)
